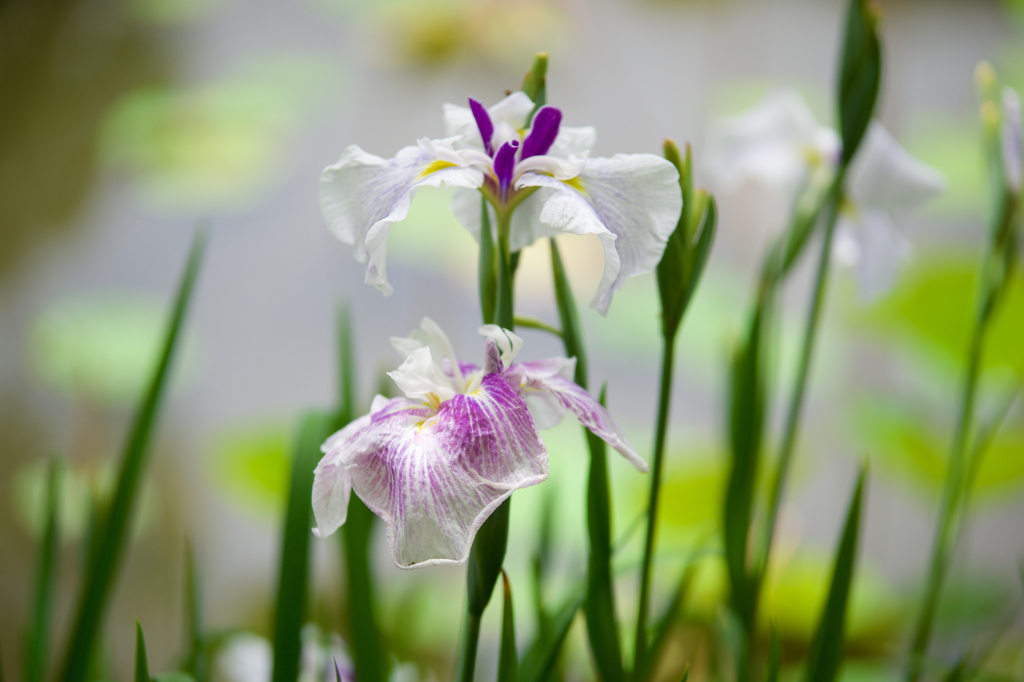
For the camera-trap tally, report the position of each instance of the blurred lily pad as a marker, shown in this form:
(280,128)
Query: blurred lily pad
(222,144)
(795,594)
(251,466)
(934,307)
(910,446)
(101,346)
(78,486)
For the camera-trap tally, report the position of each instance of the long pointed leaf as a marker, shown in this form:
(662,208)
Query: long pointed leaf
(599,607)
(141,662)
(38,652)
(487,272)
(771,673)
(664,625)
(111,529)
(860,74)
(540,658)
(346,369)
(196,656)
(508,660)
(827,646)
(294,572)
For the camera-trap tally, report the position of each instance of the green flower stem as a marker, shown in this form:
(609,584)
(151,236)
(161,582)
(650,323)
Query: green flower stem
(792,423)
(664,402)
(994,277)
(488,552)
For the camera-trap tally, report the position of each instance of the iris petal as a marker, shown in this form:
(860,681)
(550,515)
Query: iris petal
(435,478)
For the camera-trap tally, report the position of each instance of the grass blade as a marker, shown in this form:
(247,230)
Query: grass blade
(112,527)
(771,672)
(827,646)
(686,673)
(195,659)
(599,607)
(141,662)
(508,660)
(38,650)
(364,633)
(294,574)
(539,659)
(487,272)
(664,626)
(346,369)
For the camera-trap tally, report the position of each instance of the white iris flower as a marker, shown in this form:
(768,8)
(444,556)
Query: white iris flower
(437,462)
(778,144)
(536,176)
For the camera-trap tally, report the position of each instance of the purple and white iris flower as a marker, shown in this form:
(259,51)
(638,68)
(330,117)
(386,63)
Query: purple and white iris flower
(437,462)
(536,176)
(779,145)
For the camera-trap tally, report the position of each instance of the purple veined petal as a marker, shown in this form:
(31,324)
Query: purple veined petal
(435,478)
(504,165)
(549,376)
(1012,140)
(483,123)
(543,133)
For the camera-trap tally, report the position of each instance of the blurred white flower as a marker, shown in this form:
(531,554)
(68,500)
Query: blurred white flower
(780,146)
(884,180)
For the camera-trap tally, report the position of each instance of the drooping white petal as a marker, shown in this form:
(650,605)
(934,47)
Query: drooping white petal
(405,346)
(546,408)
(878,249)
(332,485)
(362,195)
(435,478)
(631,201)
(883,175)
(418,377)
(511,111)
(774,143)
(508,342)
(550,376)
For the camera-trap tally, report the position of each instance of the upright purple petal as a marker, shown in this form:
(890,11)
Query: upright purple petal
(543,133)
(550,376)
(434,478)
(504,165)
(483,123)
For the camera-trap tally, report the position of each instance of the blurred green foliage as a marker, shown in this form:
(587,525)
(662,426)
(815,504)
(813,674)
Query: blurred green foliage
(101,347)
(224,143)
(251,465)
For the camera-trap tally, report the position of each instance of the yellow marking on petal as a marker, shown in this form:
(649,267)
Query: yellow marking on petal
(576,185)
(433,167)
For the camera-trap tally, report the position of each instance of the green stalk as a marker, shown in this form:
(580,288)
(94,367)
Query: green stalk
(664,401)
(367,650)
(39,639)
(788,443)
(948,527)
(488,552)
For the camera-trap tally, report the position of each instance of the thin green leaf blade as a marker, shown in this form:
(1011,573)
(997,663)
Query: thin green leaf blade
(196,656)
(746,415)
(671,270)
(368,652)
(771,671)
(860,74)
(571,331)
(141,662)
(111,528)
(539,659)
(294,563)
(486,270)
(701,250)
(38,649)
(346,368)
(827,646)
(508,660)
(664,624)
(599,607)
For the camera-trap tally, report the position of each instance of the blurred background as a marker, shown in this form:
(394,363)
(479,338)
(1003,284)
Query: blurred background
(125,124)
